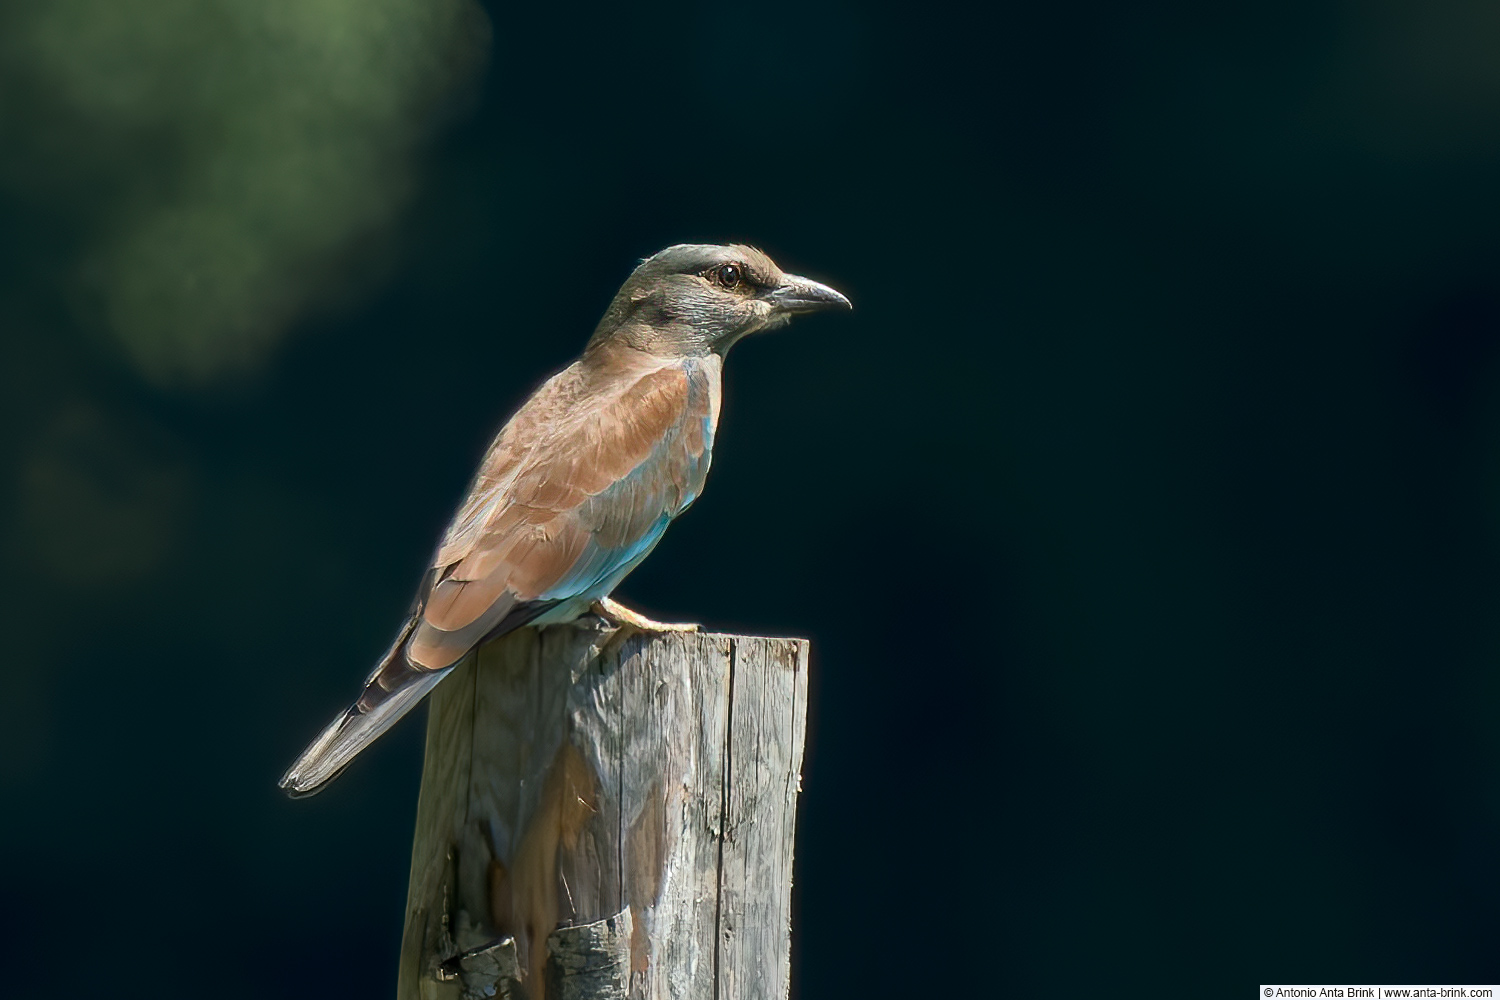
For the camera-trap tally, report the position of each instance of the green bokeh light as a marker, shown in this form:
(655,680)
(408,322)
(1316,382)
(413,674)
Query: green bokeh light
(233,162)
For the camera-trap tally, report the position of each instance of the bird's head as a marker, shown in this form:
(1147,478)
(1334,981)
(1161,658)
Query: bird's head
(697,298)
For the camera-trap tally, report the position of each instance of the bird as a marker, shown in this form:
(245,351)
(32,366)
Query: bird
(581,482)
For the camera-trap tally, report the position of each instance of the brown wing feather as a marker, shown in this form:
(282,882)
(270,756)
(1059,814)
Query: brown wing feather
(601,461)
(535,513)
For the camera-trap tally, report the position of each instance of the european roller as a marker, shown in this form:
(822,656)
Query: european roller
(581,482)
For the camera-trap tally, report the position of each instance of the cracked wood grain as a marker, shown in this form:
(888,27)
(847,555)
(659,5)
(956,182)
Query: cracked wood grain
(608,815)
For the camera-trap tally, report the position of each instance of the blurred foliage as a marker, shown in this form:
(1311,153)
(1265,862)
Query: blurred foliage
(100,496)
(223,164)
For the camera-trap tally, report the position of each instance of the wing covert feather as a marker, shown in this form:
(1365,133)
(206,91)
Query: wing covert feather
(576,488)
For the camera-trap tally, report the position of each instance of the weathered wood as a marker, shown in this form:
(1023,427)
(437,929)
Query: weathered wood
(608,815)
(768,716)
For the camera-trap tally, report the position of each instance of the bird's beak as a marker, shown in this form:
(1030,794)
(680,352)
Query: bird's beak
(797,294)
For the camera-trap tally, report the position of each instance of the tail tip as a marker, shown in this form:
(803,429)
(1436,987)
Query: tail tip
(306,778)
(296,786)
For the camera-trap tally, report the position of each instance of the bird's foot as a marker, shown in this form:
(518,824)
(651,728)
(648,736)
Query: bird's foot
(618,614)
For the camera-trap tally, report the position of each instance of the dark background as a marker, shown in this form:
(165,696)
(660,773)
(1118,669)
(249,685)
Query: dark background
(1143,514)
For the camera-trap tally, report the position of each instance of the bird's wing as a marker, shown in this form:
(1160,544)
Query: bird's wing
(577,488)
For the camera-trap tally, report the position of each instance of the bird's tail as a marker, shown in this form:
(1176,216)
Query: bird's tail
(394,688)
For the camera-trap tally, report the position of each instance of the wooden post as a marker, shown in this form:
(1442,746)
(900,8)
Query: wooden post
(606,815)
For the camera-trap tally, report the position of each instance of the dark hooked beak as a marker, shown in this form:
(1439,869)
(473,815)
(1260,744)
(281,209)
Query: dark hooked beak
(797,294)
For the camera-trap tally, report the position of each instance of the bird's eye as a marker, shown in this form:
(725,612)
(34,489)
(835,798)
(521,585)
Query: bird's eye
(727,275)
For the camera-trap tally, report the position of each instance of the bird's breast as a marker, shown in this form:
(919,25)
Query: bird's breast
(700,422)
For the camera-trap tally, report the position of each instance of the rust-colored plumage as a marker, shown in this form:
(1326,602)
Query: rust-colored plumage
(581,483)
(564,489)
